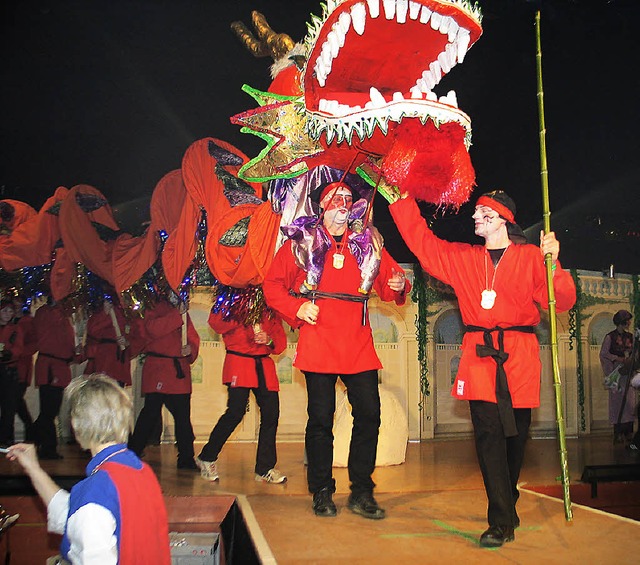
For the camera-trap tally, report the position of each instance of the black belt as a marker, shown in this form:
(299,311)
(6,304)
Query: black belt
(65,359)
(119,352)
(176,362)
(314,294)
(503,396)
(262,383)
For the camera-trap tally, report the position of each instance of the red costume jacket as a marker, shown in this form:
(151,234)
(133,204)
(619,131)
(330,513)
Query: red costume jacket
(240,371)
(520,286)
(339,343)
(163,349)
(102,350)
(56,346)
(30,346)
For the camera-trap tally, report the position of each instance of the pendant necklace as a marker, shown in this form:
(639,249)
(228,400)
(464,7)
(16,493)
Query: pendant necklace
(488,294)
(338,256)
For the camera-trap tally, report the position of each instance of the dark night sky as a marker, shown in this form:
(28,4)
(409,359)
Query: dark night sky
(112,93)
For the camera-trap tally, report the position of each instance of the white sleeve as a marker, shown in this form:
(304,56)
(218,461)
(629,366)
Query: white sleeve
(91,533)
(57,512)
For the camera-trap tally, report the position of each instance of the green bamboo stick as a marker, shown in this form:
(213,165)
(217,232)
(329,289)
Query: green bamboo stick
(557,385)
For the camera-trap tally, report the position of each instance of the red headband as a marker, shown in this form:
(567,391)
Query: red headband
(507,214)
(333,187)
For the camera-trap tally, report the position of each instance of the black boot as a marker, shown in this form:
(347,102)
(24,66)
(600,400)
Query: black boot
(496,536)
(366,506)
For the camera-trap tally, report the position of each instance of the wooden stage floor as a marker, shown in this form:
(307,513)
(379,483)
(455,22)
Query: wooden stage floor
(435,502)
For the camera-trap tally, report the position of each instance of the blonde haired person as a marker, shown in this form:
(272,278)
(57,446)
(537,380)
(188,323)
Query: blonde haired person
(101,519)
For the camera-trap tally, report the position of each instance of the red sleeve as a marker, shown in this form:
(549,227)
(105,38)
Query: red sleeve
(193,339)
(283,276)
(435,255)
(563,286)
(387,267)
(275,331)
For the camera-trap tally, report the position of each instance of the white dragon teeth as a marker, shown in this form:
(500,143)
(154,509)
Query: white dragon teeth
(376,97)
(425,14)
(389,9)
(374,8)
(358,17)
(463,39)
(414,10)
(401,11)
(455,51)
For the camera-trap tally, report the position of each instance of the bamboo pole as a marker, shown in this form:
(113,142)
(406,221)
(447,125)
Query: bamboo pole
(557,385)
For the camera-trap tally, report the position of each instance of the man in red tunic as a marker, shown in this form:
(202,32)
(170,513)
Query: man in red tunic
(248,367)
(166,377)
(56,344)
(499,286)
(336,341)
(108,347)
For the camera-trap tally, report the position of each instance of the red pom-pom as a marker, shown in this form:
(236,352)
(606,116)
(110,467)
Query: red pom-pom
(431,164)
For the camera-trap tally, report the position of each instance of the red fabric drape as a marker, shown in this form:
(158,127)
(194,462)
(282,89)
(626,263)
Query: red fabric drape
(81,240)
(133,256)
(32,242)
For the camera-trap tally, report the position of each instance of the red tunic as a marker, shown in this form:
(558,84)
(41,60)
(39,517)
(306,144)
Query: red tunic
(241,371)
(520,286)
(55,345)
(30,344)
(339,343)
(102,349)
(163,345)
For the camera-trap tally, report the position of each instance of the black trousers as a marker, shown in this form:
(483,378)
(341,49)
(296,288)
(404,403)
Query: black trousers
(500,459)
(45,424)
(22,409)
(180,407)
(269,404)
(9,390)
(364,397)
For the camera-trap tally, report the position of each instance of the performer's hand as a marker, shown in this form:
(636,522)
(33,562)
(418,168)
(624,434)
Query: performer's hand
(107,307)
(308,312)
(186,350)
(261,337)
(183,307)
(122,342)
(397,281)
(549,244)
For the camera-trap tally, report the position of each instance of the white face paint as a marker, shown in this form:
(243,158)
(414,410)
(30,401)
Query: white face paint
(336,208)
(487,221)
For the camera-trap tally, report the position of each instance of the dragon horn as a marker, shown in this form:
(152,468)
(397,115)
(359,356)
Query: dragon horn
(268,42)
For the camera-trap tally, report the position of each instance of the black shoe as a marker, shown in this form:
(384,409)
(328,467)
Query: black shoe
(189,464)
(496,536)
(366,506)
(323,503)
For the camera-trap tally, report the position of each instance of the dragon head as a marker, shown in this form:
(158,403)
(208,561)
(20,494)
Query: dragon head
(362,85)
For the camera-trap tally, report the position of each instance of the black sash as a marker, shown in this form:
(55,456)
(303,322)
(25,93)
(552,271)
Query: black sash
(176,362)
(503,396)
(119,352)
(262,383)
(314,294)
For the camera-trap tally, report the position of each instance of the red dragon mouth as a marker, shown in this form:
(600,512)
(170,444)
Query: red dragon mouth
(351,84)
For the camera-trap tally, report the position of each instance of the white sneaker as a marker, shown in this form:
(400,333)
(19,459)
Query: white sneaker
(271,476)
(208,469)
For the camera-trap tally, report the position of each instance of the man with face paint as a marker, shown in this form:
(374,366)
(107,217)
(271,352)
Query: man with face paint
(336,341)
(499,286)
